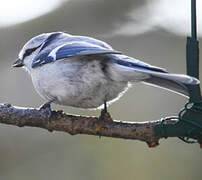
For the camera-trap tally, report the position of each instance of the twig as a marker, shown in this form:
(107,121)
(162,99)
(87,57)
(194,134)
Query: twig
(74,124)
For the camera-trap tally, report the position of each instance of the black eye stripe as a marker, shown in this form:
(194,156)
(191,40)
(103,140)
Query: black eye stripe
(47,42)
(30,51)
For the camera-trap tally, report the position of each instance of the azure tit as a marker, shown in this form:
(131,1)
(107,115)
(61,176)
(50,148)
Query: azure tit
(85,72)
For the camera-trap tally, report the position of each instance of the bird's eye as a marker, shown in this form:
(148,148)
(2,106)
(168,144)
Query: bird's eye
(29,51)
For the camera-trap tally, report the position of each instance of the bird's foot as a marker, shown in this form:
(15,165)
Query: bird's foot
(103,120)
(46,108)
(105,115)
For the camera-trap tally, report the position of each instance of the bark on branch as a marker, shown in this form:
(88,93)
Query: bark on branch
(74,124)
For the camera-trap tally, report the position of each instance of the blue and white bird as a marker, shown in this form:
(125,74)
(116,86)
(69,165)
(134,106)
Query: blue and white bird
(85,72)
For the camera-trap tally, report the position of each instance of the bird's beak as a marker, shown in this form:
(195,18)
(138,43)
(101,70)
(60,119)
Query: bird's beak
(18,63)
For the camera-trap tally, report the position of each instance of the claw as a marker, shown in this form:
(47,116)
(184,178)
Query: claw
(105,115)
(46,111)
(46,108)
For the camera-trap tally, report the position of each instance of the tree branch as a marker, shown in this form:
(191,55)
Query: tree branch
(74,124)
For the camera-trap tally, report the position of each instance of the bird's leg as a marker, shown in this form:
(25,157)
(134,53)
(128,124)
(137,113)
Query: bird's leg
(46,107)
(105,107)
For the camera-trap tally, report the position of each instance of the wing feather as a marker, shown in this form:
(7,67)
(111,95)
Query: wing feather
(70,49)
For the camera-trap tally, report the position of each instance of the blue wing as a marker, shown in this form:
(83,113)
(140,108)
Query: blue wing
(71,49)
(89,40)
(81,49)
(61,45)
(133,63)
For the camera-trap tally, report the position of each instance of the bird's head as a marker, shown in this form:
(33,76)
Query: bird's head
(32,49)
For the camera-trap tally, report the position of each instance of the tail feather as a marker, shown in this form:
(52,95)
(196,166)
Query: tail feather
(173,82)
(181,78)
(131,69)
(168,84)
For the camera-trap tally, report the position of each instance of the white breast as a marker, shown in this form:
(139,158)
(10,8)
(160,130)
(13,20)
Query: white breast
(75,83)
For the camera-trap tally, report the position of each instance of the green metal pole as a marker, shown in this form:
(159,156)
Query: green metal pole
(192,56)
(193,20)
(190,119)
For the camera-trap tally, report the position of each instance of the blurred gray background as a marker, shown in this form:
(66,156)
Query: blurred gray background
(152,30)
